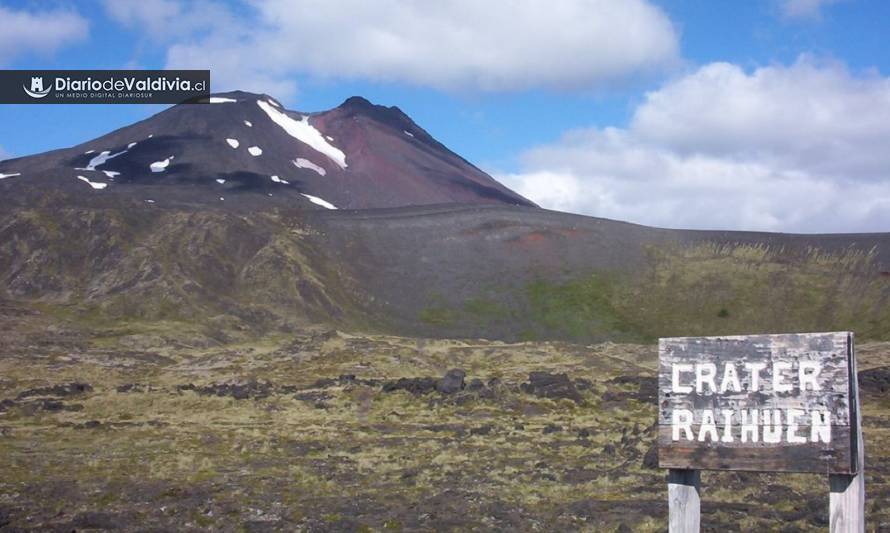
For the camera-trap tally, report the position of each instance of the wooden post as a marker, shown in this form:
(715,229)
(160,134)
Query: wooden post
(684,501)
(846,502)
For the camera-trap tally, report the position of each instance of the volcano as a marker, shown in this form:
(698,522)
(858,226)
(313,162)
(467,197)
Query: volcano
(238,215)
(246,148)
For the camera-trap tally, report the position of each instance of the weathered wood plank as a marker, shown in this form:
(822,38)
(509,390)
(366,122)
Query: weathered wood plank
(684,501)
(812,457)
(796,381)
(828,349)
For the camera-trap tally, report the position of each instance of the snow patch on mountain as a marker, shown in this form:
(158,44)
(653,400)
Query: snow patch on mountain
(160,166)
(318,201)
(255,151)
(305,163)
(221,100)
(111,173)
(101,159)
(233,142)
(304,132)
(248,123)
(131,145)
(408,133)
(93,184)
(220,181)
(4,176)
(276,179)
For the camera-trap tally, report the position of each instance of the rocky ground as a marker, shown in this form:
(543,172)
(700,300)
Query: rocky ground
(322,430)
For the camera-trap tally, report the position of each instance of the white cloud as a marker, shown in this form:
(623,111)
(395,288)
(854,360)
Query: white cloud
(804,9)
(782,148)
(451,44)
(41,32)
(166,20)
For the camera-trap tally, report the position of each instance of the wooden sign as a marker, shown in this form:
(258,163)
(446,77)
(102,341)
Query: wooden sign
(776,403)
(773,403)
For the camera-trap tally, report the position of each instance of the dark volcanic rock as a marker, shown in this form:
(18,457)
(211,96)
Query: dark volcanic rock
(95,520)
(240,390)
(875,380)
(553,386)
(647,387)
(6,404)
(475,384)
(62,391)
(56,406)
(452,382)
(482,430)
(415,386)
(650,460)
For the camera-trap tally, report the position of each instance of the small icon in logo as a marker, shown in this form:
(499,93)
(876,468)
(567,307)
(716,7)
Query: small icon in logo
(37,90)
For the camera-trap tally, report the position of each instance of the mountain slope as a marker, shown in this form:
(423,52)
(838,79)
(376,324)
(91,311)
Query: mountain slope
(246,148)
(441,271)
(173,219)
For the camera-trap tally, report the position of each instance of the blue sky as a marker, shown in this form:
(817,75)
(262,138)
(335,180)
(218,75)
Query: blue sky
(649,111)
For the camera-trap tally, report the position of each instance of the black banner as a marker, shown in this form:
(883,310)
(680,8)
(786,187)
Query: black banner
(104,86)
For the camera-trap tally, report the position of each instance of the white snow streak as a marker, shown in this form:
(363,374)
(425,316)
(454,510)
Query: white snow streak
(93,184)
(4,176)
(248,123)
(131,145)
(160,166)
(102,158)
(111,173)
(89,152)
(233,142)
(305,163)
(318,201)
(220,181)
(255,151)
(304,132)
(221,100)
(408,133)
(276,179)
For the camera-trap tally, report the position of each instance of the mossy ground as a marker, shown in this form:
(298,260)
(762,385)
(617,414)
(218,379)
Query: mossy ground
(318,453)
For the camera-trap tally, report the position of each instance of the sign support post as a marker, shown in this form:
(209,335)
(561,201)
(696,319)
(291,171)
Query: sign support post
(684,500)
(847,492)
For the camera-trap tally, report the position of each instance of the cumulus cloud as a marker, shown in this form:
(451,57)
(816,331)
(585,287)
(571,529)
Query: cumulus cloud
(782,148)
(42,32)
(166,20)
(451,44)
(804,9)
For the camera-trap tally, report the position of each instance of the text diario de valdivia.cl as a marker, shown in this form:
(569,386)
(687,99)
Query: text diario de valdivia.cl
(792,426)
